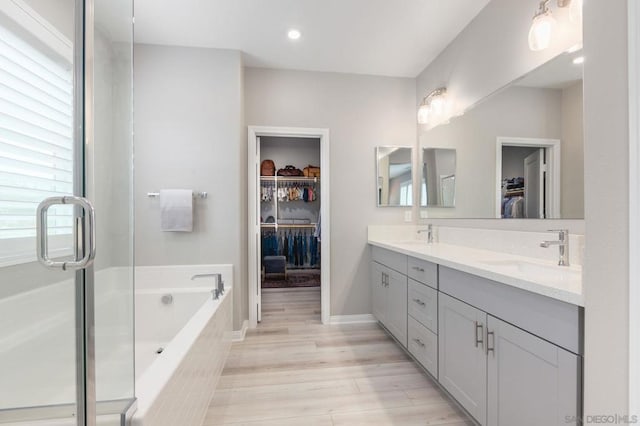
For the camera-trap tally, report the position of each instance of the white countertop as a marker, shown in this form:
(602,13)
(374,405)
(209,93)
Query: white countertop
(546,278)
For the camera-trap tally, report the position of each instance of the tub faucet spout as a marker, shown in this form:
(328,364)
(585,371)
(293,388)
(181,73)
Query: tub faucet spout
(217,276)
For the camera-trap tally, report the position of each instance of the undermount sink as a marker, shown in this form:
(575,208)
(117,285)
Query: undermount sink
(538,270)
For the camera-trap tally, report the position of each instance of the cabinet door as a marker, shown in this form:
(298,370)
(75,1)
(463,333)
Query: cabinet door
(397,306)
(462,363)
(379,291)
(531,382)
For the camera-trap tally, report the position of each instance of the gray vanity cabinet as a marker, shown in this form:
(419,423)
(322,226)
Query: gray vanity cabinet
(530,381)
(389,300)
(396,315)
(462,359)
(379,291)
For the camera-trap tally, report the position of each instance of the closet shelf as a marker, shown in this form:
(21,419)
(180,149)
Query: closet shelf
(300,226)
(288,179)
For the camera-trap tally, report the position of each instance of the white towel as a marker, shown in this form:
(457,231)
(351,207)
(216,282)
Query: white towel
(176,210)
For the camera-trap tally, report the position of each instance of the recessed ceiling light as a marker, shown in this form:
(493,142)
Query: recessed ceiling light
(294,34)
(579,60)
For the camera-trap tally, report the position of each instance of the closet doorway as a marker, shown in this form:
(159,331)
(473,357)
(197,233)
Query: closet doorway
(528,178)
(289,222)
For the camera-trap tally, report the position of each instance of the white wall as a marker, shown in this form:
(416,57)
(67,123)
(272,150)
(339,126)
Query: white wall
(606,151)
(188,127)
(361,113)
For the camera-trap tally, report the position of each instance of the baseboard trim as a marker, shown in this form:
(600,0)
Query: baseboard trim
(238,335)
(352,319)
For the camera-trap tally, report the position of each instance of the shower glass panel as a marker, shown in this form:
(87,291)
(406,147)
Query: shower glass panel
(110,188)
(46,376)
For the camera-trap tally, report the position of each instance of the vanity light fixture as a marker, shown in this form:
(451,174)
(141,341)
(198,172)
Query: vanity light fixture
(434,108)
(541,28)
(543,22)
(294,34)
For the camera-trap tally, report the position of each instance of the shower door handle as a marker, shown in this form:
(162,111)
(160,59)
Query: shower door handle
(84,240)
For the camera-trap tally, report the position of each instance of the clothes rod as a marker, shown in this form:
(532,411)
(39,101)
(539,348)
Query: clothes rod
(282,225)
(202,195)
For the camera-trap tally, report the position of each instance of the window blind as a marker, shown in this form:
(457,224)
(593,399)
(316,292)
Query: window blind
(36,137)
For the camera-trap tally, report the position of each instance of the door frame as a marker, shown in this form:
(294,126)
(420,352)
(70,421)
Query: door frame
(253,228)
(552,147)
(634,205)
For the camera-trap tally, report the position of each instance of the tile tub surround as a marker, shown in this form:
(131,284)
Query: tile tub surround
(176,387)
(473,256)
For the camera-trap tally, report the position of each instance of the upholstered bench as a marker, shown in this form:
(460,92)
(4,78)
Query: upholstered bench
(275,267)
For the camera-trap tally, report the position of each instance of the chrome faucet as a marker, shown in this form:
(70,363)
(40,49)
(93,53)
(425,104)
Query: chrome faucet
(218,276)
(563,245)
(429,232)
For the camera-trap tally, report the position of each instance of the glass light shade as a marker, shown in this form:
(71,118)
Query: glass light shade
(423,114)
(540,32)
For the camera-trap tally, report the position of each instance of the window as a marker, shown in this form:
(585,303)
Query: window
(406,194)
(36,143)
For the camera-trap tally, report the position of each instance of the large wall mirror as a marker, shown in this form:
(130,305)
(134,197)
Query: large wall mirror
(519,152)
(438,188)
(394,173)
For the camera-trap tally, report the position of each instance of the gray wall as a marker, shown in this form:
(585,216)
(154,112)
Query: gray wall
(188,118)
(606,152)
(361,113)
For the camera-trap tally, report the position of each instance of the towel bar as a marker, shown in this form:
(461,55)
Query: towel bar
(202,195)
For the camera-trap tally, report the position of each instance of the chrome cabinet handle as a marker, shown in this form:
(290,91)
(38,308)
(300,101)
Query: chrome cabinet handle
(419,302)
(416,268)
(418,341)
(85,241)
(478,326)
(491,348)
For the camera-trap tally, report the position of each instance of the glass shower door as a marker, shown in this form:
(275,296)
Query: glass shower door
(40,124)
(66,321)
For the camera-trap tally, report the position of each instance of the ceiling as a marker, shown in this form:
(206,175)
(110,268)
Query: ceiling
(378,37)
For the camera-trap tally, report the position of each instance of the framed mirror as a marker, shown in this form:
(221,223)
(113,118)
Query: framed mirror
(519,151)
(394,176)
(438,186)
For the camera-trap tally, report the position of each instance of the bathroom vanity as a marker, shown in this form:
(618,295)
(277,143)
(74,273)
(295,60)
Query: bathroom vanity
(502,334)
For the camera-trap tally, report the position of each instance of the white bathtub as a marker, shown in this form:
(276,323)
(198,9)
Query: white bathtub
(174,387)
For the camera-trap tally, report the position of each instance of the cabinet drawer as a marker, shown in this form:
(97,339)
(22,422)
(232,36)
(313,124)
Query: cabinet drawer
(423,271)
(423,305)
(423,345)
(393,260)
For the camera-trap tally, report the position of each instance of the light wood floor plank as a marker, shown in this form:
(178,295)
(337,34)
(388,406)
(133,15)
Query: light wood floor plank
(293,370)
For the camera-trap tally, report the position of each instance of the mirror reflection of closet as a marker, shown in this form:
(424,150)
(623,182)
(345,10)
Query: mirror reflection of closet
(394,171)
(438,187)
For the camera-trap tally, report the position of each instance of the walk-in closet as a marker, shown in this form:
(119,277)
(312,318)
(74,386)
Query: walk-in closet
(524,188)
(290,203)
